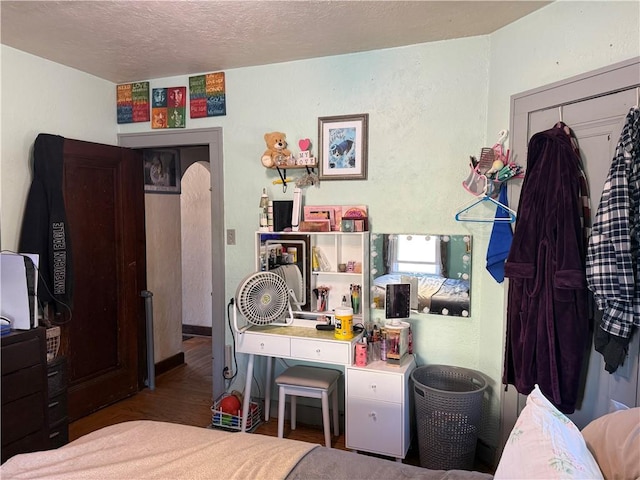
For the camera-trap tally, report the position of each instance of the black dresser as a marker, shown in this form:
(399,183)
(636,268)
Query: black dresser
(57,402)
(25,426)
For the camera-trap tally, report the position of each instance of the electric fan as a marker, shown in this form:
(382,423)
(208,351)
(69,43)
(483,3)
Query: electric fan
(263,298)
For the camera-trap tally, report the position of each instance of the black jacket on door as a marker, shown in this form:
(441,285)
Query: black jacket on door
(45,230)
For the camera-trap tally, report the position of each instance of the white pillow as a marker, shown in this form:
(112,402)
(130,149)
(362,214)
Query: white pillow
(545,444)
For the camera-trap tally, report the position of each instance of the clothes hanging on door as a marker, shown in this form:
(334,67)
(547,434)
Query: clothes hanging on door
(45,229)
(614,248)
(547,311)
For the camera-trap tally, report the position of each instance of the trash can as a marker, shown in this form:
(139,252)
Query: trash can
(448,409)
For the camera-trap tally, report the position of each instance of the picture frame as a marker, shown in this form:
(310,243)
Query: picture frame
(162,170)
(343,147)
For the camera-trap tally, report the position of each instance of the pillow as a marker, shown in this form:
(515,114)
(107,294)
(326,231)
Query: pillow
(615,406)
(614,441)
(544,443)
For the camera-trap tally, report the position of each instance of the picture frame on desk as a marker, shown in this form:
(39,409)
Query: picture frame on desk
(332,213)
(315,226)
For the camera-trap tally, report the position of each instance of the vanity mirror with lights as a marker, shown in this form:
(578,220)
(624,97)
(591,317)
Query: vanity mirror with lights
(437,267)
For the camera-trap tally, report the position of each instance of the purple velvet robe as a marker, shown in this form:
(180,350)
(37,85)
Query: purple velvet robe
(547,316)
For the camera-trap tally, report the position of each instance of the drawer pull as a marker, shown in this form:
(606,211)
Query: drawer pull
(318,351)
(262,345)
(373,387)
(54,404)
(53,374)
(373,417)
(54,434)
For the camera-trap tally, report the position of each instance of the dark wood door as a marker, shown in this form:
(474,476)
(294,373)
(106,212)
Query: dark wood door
(104,338)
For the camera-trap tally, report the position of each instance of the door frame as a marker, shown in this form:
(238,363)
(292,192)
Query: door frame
(211,137)
(608,80)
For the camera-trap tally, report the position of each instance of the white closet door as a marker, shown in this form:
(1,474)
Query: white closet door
(597,122)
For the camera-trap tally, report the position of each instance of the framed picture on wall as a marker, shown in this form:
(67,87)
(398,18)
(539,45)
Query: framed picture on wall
(343,147)
(162,171)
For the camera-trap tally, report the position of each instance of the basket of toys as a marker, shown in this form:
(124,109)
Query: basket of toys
(227,413)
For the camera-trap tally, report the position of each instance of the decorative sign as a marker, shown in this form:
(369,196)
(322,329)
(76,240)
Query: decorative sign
(133,102)
(169,107)
(207,95)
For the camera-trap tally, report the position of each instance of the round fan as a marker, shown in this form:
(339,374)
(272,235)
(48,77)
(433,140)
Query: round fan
(262,298)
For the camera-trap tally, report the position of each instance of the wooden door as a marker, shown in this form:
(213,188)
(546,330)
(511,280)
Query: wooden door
(104,338)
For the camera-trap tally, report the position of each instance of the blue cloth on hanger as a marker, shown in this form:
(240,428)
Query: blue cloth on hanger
(500,241)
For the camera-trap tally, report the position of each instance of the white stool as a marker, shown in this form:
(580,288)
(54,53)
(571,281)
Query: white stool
(312,382)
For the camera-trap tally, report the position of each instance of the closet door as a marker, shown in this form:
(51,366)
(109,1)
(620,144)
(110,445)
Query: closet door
(597,124)
(594,106)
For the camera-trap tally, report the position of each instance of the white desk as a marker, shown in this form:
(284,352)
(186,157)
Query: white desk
(293,342)
(378,403)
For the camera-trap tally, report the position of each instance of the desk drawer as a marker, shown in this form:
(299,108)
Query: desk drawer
(321,351)
(374,427)
(374,385)
(275,346)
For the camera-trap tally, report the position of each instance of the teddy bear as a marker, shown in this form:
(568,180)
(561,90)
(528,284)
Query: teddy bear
(276,153)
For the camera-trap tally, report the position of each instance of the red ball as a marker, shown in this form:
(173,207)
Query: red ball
(230,404)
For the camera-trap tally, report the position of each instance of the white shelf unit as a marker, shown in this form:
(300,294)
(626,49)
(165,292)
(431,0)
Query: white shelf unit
(336,248)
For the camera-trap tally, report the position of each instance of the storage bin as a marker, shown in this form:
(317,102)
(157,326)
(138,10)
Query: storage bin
(448,409)
(227,421)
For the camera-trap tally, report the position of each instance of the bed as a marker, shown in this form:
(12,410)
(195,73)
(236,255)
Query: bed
(158,450)
(433,293)
(544,444)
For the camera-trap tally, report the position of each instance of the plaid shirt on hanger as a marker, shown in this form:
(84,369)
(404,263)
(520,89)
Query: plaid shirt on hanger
(614,246)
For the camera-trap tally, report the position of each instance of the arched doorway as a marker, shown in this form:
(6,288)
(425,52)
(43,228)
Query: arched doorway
(195,214)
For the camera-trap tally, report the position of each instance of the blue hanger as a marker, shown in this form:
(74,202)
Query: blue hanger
(460,217)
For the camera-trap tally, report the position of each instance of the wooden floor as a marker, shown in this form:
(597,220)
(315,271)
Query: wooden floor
(183,395)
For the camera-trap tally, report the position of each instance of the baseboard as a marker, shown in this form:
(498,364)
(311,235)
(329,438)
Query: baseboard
(170,363)
(196,330)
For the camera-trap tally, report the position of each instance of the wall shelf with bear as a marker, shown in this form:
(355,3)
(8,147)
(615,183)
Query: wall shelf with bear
(278,157)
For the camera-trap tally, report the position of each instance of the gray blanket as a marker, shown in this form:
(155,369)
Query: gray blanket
(323,463)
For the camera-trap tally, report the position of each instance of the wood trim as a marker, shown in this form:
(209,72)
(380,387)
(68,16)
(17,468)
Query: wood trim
(170,363)
(196,330)
(211,137)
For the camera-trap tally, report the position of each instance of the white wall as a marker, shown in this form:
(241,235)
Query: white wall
(164,272)
(430,106)
(195,210)
(39,96)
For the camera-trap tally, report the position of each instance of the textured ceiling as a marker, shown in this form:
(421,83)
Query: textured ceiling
(124,41)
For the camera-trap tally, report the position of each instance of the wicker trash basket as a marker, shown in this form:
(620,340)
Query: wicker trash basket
(448,408)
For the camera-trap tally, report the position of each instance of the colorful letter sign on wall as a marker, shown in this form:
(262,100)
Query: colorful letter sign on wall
(169,107)
(133,102)
(207,95)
